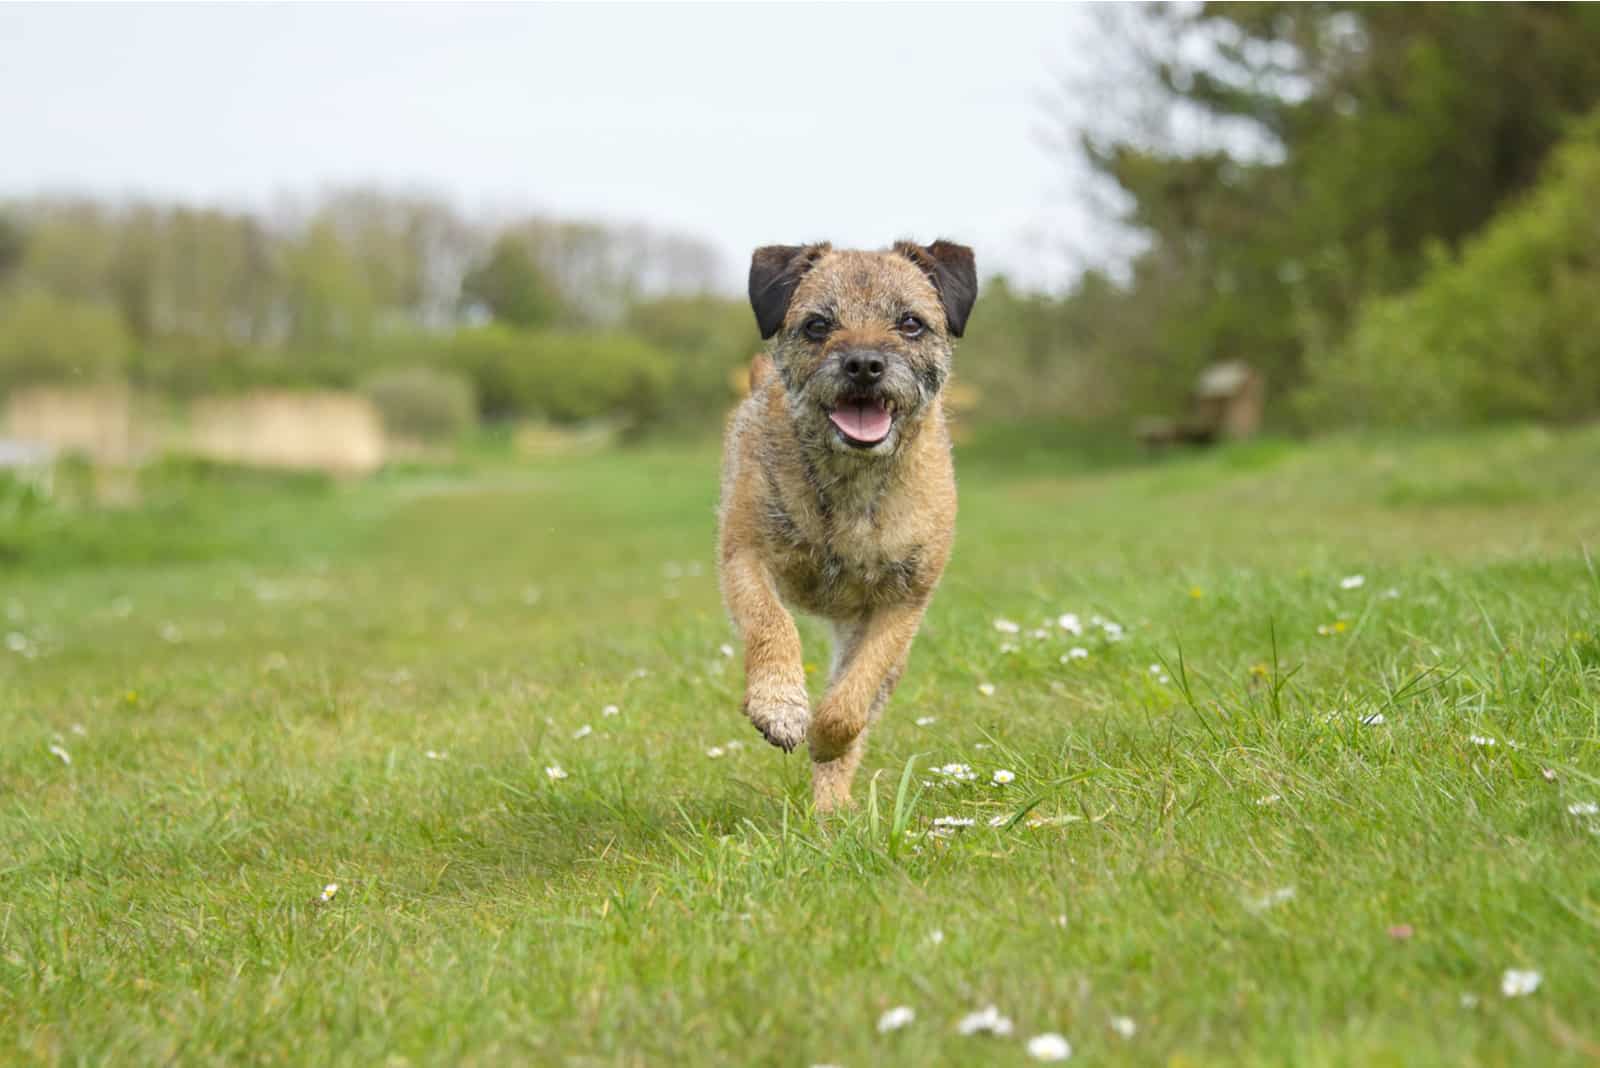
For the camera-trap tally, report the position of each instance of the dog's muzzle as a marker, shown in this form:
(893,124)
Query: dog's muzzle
(862,415)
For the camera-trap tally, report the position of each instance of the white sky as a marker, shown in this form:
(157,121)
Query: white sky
(743,125)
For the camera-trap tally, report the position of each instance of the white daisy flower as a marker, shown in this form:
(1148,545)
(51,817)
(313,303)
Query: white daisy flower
(1268,900)
(936,937)
(1519,984)
(1008,647)
(1373,719)
(1003,777)
(555,772)
(1061,921)
(1006,626)
(583,731)
(953,821)
(1049,1047)
(956,772)
(715,751)
(610,710)
(726,650)
(1270,799)
(78,729)
(1391,594)
(61,754)
(1124,1026)
(1584,808)
(1352,582)
(16,641)
(986,688)
(1070,623)
(1038,633)
(1469,1001)
(1482,740)
(986,1021)
(1113,631)
(926,721)
(435,755)
(1155,669)
(328,892)
(895,1019)
(999,821)
(1077,652)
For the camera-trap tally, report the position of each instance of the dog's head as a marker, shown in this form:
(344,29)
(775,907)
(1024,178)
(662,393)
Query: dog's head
(862,340)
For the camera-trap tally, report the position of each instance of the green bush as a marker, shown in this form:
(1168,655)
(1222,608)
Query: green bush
(45,337)
(423,404)
(1508,330)
(561,375)
(710,341)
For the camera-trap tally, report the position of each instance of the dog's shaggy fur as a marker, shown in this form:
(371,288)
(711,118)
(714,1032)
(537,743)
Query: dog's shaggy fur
(838,496)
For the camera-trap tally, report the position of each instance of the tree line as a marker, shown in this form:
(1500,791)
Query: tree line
(1387,208)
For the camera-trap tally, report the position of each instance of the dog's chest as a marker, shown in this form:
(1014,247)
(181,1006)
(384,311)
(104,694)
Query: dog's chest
(839,561)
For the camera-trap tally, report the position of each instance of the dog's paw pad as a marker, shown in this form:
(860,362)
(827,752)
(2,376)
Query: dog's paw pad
(781,721)
(784,735)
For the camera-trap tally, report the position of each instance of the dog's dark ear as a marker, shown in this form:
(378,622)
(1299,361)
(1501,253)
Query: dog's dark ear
(774,272)
(954,274)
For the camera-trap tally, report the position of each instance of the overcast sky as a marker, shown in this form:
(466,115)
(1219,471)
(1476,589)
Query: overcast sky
(744,125)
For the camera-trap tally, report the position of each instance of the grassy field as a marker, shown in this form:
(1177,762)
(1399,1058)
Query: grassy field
(1267,826)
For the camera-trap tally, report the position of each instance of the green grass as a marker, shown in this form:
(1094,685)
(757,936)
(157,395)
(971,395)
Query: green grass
(256,714)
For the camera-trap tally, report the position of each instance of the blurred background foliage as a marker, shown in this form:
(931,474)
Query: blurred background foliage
(1388,209)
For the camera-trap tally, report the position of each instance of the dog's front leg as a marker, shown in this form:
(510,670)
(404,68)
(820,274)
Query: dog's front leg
(775,695)
(871,657)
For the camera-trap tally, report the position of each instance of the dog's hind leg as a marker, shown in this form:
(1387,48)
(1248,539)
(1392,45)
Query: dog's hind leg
(868,662)
(775,695)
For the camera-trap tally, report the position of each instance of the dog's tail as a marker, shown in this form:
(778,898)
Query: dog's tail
(761,369)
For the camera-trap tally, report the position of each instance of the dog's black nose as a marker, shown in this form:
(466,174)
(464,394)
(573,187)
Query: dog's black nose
(863,368)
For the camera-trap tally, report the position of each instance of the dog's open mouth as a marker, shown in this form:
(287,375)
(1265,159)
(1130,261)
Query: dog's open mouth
(863,423)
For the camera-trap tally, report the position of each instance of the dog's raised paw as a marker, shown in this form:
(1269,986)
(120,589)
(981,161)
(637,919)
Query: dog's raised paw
(781,717)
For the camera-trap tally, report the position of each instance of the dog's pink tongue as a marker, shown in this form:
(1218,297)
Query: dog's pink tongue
(867,421)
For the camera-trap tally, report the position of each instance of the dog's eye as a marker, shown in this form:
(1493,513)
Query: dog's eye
(910,326)
(816,328)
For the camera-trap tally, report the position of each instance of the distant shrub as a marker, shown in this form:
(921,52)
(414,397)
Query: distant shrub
(45,337)
(423,404)
(561,375)
(710,341)
(1510,329)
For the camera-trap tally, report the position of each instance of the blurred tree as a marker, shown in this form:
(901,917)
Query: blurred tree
(328,295)
(13,243)
(512,286)
(1304,156)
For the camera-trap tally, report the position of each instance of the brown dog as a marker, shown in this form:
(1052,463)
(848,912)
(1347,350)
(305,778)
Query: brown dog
(838,497)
